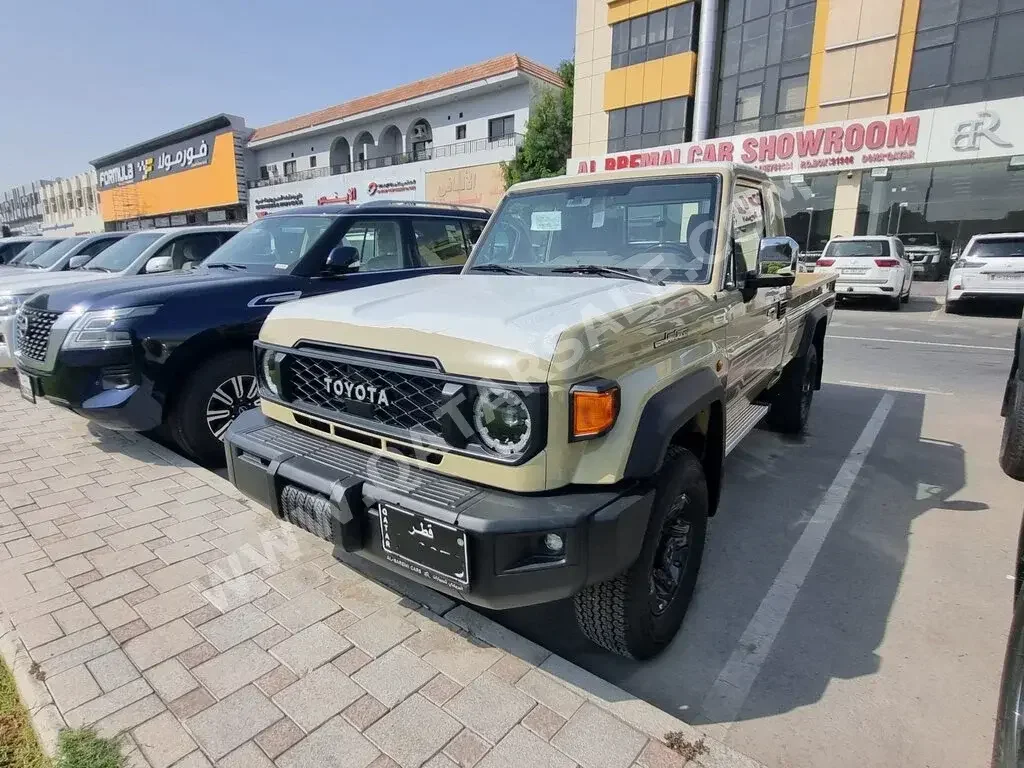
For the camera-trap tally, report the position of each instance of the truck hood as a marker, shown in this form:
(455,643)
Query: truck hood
(505,327)
(140,290)
(28,281)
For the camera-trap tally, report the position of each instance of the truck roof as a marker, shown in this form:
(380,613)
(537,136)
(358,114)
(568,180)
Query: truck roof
(386,207)
(727,170)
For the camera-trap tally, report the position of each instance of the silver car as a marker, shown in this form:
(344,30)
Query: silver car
(72,253)
(147,252)
(990,267)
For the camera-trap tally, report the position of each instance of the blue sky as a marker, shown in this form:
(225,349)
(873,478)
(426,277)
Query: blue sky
(82,79)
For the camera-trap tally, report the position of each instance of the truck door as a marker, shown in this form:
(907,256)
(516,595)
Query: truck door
(755,332)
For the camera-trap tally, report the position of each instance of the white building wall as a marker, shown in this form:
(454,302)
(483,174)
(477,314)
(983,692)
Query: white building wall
(513,98)
(70,205)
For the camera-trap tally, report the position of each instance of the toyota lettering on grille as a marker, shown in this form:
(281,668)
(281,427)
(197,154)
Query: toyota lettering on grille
(363,393)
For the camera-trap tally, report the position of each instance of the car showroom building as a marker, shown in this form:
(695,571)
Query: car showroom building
(884,116)
(194,175)
(439,139)
(71,206)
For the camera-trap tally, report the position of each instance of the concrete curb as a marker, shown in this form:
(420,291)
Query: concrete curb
(46,718)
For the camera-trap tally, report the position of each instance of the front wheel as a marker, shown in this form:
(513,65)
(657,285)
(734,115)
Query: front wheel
(221,390)
(637,613)
(1008,745)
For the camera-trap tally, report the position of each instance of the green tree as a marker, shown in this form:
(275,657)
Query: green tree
(547,143)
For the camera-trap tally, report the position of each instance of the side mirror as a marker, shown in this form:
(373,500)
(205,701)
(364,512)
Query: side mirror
(159,264)
(79,261)
(777,264)
(341,259)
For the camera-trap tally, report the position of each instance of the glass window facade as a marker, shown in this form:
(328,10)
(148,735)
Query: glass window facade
(654,35)
(766,54)
(808,206)
(966,51)
(953,201)
(648,125)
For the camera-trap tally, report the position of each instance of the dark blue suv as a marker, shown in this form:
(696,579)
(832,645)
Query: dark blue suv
(175,351)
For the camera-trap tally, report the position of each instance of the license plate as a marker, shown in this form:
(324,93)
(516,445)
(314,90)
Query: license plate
(853,271)
(1006,276)
(426,547)
(26,387)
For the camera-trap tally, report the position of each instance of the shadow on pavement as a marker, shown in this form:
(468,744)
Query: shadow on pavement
(773,488)
(880,304)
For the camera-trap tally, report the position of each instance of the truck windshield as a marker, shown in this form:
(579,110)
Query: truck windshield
(272,244)
(34,249)
(51,256)
(998,249)
(839,249)
(925,239)
(664,228)
(121,254)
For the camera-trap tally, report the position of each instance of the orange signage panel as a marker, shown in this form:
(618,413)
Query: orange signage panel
(211,185)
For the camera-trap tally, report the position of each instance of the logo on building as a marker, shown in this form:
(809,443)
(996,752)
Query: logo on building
(348,197)
(390,187)
(967,135)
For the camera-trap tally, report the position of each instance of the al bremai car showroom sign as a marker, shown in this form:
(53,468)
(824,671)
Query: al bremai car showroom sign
(966,132)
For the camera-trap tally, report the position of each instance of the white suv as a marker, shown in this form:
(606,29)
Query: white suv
(990,267)
(869,266)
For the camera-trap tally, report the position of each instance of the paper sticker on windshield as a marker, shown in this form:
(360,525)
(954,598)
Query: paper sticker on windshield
(546,221)
(597,220)
(280,266)
(577,202)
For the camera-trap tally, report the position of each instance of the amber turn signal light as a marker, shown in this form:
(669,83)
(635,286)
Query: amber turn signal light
(595,407)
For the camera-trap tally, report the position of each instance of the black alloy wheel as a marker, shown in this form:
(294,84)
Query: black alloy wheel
(671,557)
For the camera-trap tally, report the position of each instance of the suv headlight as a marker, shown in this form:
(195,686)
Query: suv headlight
(9,304)
(503,422)
(104,329)
(270,371)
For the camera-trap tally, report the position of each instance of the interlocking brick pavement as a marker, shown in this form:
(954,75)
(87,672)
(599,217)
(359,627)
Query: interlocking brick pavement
(143,596)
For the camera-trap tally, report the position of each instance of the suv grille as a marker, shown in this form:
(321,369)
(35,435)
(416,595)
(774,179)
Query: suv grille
(34,337)
(412,400)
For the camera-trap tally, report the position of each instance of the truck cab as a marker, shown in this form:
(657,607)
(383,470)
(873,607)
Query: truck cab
(551,422)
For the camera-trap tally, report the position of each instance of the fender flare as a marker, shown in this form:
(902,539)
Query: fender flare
(811,320)
(1016,376)
(665,414)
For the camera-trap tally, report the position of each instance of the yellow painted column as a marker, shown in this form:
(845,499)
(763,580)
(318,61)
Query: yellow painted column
(904,55)
(817,61)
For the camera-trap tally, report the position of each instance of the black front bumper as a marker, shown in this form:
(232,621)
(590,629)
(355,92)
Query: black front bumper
(104,386)
(602,527)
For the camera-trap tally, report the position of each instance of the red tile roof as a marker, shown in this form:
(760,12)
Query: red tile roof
(491,68)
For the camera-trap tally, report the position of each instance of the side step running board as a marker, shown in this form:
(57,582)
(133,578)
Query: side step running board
(741,422)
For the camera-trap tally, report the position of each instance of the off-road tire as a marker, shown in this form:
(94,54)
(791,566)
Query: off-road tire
(791,398)
(1011,447)
(1004,745)
(618,614)
(187,420)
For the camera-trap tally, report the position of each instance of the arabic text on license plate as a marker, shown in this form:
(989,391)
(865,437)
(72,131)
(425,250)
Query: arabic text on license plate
(426,547)
(1007,276)
(25,386)
(849,271)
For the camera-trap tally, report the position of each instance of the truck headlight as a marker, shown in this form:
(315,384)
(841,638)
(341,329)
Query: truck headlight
(9,304)
(270,371)
(104,329)
(502,420)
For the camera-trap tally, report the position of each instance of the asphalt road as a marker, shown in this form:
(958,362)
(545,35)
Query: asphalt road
(854,599)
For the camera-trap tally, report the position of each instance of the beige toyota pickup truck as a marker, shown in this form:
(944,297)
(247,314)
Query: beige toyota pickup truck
(552,422)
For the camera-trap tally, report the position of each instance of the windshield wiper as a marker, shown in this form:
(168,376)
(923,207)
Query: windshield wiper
(226,265)
(598,269)
(503,268)
(96,269)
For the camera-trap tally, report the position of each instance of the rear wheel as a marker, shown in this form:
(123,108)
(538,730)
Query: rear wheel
(792,396)
(906,296)
(215,395)
(895,303)
(1008,745)
(637,613)
(951,307)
